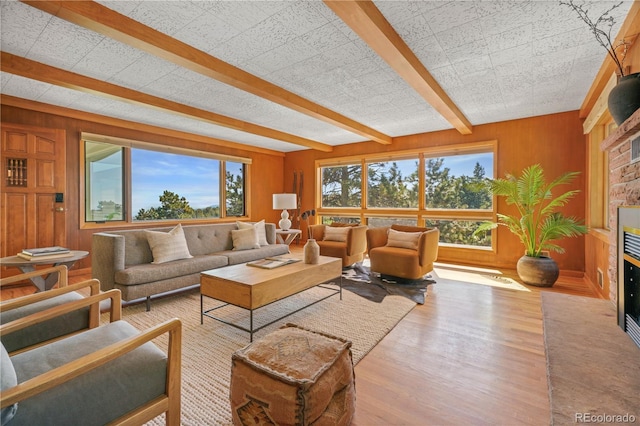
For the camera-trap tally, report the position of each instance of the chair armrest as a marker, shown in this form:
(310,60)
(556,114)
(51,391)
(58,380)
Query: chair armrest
(377,237)
(61,270)
(428,246)
(317,231)
(357,240)
(93,285)
(47,314)
(80,366)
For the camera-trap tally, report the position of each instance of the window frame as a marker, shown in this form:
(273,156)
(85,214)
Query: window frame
(421,213)
(128,144)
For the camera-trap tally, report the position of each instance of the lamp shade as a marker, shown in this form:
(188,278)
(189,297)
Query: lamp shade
(284,201)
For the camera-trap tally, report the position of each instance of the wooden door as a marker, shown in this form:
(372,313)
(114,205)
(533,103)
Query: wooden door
(33,188)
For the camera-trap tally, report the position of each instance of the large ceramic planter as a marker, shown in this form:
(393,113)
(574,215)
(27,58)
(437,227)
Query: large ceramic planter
(624,98)
(538,271)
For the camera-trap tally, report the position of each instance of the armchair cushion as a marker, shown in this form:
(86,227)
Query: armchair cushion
(402,239)
(98,396)
(56,327)
(8,379)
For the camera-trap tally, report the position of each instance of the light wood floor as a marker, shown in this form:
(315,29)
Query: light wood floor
(472,354)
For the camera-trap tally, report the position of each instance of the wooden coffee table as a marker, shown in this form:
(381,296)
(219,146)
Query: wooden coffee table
(251,288)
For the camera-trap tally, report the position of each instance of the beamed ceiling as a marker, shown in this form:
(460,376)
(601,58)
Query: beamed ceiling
(290,75)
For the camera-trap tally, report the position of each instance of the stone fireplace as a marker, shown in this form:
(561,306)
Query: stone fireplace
(623,147)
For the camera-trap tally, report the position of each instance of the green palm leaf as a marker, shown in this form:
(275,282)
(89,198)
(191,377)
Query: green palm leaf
(537,223)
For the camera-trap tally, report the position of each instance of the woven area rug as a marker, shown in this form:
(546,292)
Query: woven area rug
(592,365)
(372,286)
(207,348)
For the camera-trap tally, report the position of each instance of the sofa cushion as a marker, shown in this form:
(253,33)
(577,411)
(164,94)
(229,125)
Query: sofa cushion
(8,379)
(168,246)
(142,274)
(400,239)
(99,396)
(58,326)
(245,239)
(260,230)
(336,233)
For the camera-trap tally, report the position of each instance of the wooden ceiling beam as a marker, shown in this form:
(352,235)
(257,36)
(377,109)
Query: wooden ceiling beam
(367,21)
(98,18)
(130,125)
(23,67)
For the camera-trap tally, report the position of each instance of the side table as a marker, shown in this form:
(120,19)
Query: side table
(43,283)
(290,234)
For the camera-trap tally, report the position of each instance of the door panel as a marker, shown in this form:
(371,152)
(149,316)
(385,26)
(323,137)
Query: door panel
(13,223)
(33,171)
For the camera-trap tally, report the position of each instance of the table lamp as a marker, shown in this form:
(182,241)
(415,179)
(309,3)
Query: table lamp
(284,202)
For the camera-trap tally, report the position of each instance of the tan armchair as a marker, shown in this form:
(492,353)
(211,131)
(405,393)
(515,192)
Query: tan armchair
(110,374)
(346,242)
(403,262)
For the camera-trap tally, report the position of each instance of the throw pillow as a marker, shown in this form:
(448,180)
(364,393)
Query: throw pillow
(168,246)
(337,233)
(245,239)
(401,239)
(9,380)
(260,230)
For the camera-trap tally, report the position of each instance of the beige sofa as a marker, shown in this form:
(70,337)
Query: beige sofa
(123,259)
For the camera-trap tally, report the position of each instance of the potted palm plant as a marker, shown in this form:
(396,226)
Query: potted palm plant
(537,223)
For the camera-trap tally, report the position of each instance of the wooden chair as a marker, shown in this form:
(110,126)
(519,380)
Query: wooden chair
(57,327)
(108,374)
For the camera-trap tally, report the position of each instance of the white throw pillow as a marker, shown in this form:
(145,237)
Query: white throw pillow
(167,246)
(336,233)
(245,239)
(260,230)
(400,239)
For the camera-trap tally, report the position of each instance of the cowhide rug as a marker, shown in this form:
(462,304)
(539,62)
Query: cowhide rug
(372,286)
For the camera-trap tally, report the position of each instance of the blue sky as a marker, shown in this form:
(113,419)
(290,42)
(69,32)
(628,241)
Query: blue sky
(459,165)
(196,179)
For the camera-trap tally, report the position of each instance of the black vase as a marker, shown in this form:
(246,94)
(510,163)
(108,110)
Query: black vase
(624,98)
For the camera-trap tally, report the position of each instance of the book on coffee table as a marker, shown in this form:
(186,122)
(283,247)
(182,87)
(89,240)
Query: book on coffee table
(273,262)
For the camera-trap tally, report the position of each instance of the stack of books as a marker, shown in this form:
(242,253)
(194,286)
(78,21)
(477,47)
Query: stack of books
(45,253)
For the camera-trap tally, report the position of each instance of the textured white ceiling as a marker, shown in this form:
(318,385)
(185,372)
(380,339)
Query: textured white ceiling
(497,60)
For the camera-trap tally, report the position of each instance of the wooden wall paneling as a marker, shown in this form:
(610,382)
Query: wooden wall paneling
(265,179)
(554,141)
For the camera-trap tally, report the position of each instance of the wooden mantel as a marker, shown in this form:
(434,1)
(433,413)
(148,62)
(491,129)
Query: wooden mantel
(627,129)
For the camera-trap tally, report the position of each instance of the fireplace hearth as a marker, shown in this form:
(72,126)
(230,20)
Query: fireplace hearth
(629,271)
